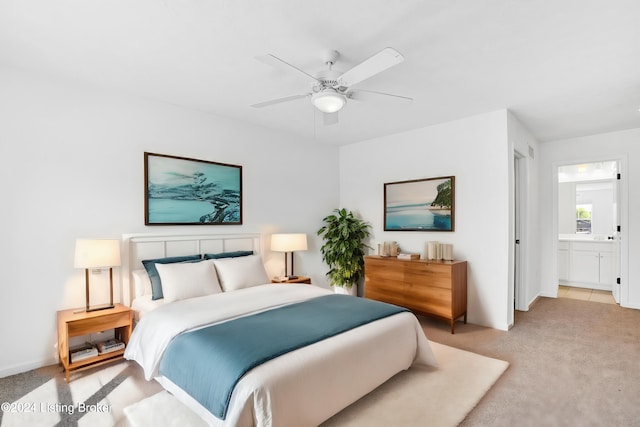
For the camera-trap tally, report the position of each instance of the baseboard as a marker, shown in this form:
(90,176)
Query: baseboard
(25,367)
(548,295)
(533,302)
(634,306)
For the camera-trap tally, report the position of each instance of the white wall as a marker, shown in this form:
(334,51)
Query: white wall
(72,166)
(475,151)
(624,145)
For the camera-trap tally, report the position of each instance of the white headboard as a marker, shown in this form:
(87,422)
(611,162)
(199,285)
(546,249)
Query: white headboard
(136,247)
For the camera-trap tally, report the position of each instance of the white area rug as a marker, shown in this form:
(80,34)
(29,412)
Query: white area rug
(439,397)
(417,397)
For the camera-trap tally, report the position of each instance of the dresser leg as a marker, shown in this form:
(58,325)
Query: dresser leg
(453,326)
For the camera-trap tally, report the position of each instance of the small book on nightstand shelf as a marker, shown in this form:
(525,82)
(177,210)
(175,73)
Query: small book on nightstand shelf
(109,346)
(83,352)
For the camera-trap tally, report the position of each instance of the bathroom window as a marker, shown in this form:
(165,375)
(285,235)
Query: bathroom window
(583,218)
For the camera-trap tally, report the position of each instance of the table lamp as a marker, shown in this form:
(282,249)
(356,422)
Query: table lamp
(97,254)
(288,243)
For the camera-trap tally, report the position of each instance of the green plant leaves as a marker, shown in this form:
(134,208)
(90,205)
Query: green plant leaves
(343,248)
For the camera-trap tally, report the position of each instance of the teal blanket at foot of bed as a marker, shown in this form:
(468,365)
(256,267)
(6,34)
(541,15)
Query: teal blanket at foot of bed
(207,363)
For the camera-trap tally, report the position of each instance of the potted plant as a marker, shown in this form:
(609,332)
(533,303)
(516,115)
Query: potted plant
(343,249)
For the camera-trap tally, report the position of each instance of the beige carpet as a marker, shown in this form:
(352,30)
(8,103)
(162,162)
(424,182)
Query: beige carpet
(118,395)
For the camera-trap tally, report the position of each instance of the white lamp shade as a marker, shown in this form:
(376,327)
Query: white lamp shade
(288,242)
(328,101)
(97,253)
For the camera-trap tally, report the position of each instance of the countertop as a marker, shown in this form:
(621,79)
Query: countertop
(584,238)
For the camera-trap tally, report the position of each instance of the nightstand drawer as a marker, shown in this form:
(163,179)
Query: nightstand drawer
(97,324)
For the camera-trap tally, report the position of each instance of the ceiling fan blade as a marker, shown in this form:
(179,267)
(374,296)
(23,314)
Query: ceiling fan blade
(330,118)
(279,100)
(276,62)
(375,64)
(364,95)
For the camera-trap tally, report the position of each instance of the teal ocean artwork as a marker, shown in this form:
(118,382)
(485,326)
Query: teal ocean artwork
(417,217)
(185,191)
(420,205)
(169,210)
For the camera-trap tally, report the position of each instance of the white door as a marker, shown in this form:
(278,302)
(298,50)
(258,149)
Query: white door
(516,249)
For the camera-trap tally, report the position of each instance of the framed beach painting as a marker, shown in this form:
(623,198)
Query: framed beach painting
(420,205)
(183,191)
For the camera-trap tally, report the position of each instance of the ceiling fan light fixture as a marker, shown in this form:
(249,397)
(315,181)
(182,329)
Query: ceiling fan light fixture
(328,100)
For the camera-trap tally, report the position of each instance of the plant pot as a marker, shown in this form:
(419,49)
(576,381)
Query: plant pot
(346,291)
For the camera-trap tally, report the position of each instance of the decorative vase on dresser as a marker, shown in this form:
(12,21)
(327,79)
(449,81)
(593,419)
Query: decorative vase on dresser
(431,287)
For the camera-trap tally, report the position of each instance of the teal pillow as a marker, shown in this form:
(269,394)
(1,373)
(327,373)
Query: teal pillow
(228,254)
(150,266)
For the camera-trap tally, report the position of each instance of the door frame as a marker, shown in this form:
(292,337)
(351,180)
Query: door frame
(623,209)
(517,291)
(520,218)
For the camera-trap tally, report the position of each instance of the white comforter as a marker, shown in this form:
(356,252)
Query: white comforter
(304,387)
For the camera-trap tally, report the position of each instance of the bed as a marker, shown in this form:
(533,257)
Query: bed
(304,386)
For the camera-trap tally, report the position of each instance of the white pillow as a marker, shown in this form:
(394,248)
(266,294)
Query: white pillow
(187,280)
(141,282)
(241,272)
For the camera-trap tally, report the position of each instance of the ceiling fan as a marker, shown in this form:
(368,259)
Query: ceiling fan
(330,89)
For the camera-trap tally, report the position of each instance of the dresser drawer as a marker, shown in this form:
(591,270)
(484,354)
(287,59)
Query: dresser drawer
(383,282)
(391,296)
(382,269)
(432,275)
(429,300)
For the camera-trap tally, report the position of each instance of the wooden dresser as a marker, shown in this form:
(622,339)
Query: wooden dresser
(437,288)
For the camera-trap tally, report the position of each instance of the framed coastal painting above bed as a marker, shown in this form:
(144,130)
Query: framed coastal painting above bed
(184,191)
(420,205)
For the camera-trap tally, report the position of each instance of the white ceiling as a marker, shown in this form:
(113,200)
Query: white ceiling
(566,68)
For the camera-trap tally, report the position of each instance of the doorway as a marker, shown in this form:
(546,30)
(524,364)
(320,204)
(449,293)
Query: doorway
(517,290)
(588,224)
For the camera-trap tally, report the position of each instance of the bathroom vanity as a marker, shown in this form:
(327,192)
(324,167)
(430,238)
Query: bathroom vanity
(587,263)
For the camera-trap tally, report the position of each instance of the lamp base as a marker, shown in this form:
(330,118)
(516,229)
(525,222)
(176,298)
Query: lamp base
(103,306)
(99,307)
(292,277)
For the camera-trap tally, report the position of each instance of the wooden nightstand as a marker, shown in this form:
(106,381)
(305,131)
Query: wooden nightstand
(300,279)
(73,323)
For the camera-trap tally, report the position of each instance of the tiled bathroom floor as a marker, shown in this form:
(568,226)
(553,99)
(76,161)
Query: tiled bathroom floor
(585,294)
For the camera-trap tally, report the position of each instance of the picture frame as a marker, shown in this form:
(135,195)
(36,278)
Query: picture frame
(185,191)
(420,205)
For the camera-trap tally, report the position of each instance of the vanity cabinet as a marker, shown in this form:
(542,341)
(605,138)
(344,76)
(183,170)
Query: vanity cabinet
(433,287)
(590,264)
